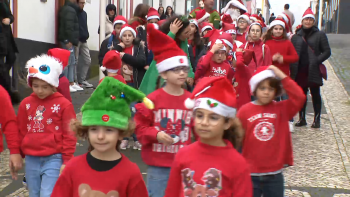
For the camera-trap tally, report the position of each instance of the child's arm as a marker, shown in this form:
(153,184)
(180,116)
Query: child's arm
(68,139)
(63,186)
(242,182)
(174,186)
(145,132)
(22,121)
(292,55)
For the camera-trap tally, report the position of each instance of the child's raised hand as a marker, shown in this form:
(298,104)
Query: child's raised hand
(175,26)
(216,47)
(165,138)
(277,72)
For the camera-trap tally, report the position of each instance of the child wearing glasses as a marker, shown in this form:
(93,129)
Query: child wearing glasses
(166,129)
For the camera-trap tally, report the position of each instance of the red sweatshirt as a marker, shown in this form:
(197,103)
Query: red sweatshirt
(267,143)
(63,88)
(44,126)
(242,37)
(8,123)
(286,49)
(204,170)
(125,178)
(262,59)
(169,115)
(241,81)
(206,67)
(117,77)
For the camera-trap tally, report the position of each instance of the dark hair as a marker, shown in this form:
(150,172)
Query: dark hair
(82,132)
(141,10)
(274,83)
(186,86)
(286,6)
(268,35)
(235,133)
(161,7)
(172,11)
(196,38)
(273,14)
(165,28)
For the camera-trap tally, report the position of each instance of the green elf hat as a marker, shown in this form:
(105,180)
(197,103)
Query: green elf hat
(109,104)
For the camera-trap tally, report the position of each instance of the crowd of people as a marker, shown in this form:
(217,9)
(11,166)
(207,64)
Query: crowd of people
(208,98)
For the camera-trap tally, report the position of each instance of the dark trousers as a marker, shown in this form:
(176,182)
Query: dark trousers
(316,100)
(268,185)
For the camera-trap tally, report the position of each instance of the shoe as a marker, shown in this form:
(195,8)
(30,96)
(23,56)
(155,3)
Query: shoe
(86,84)
(302,120)
(124,145)
(317,122)
(291,127)
(137,145)
(77,87)
(71,89)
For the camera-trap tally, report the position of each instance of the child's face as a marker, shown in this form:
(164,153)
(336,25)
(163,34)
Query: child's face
(126,70)
(41,88)
(193,28)
(117,28)
(255,32)
(153,20)
(242,24)
(265,93)
(209,126)
(205,32)
(277,31)
(127,38)
(219,56)
(104,139)
(176,76)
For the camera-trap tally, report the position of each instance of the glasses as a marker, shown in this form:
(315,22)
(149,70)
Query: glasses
(242,22)
(177,70)
(209,119)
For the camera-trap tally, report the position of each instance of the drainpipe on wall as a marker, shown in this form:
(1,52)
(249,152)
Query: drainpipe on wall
(320,13)
(102,28)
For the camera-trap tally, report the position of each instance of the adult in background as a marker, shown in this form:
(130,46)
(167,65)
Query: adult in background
(68,35)
(289,13)
(169,12)
(214,14)
(199,8)
(111,12)
(313,48)
(161,13)
(234,8)
(82,54)
(272,18)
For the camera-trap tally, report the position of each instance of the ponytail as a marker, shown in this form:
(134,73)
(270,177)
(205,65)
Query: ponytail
(235,133)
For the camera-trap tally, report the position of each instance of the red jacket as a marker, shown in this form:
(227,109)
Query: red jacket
(241,81)
(44,126)
(267,145)
(204,170)
(242,37)
(169,115)
(8,123)
(286,49)
(63,88)
(262,54)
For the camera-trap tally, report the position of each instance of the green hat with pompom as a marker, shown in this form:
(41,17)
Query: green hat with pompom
(109,104)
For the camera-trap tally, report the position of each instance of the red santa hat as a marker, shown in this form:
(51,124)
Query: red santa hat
(119,20)
(165,50)
(194,21)
(238,4)
(262,73)
(228,28)
(161,22)
(215,94)
(213,35)
(286,19)
(278,22)
(127,27)
(226,18)
(262,25)
(245,16)
(62,55)
(201,15)
(111,62)
(227,39)
(152,14)
(204,26)
(221,41)
(308,14)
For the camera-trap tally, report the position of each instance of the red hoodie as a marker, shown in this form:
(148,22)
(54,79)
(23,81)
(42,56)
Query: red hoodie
(44,126)
(286,49)
(263,59)
(8,123)
(169,115)
(241,81)
(63,88)
(267,144)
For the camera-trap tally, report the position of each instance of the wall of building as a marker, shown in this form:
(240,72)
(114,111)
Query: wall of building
(93,14)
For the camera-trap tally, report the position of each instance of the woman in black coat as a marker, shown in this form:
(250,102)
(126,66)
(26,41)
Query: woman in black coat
(313,48)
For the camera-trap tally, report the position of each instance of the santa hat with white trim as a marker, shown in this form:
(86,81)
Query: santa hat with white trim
(308,14)
(286,19)
(215,94)
(201,15)
(62,55)
(229,28)
(127,27)
(226,18)
(111,62)
(221,41)
(119,20)
(237,3)
(245,16)
(262,73)
(152,14)
(165,50)
(227,39)
(278,22)
(194,21)
(205,26)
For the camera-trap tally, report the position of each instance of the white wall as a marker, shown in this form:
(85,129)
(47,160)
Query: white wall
(180,7)
(93,15)
(37,24)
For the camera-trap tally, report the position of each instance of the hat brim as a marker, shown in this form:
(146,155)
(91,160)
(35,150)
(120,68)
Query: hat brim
(99,118)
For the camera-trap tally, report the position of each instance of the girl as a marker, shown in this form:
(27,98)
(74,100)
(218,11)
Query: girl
(161,13)
(195,43)
(43,120)
(242,25)
(211,166)
(262,51)
(267,145)
(165,129)
(169,12)
(104,126)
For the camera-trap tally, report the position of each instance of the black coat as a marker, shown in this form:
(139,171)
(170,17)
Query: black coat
(5,12)
(83,28)
(320,52)
(104,48)
(68,30)
(195,57)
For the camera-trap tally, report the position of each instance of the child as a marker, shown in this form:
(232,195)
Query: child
(202,16)
(167,128)
(267,145)
(205,28)
(104,170)
(43,120)
(211,166)
(242,24)
(112,64)
(231,29)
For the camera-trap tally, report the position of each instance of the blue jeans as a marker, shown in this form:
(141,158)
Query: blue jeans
(133,136)
(42,174)
(268,185)
(69,71)
(157,180)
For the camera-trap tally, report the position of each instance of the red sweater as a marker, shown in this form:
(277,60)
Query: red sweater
(117,77)
(206,67)
(241,81)
(286,49)
(44,126)
(267,143)
(241,37)
(262,59)
(169,115)
(204,170)
(63,88)
(8,123)
(125,178)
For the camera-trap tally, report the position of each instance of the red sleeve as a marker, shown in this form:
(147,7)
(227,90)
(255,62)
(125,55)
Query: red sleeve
(63,186)
(230,74)
(242,183)
(267,56)
(22,121)
(239,59)
(121,79)
(138,188)
(174,187)
(201,68)
(145,131)
(8,123)
(69,140)
(63,88)
(292,55)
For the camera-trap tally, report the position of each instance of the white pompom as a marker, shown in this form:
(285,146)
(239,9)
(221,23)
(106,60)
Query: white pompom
(102,68)
(189,103)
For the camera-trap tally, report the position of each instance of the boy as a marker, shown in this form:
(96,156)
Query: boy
(112,64)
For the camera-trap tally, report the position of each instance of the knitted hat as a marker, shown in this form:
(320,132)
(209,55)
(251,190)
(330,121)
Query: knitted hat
(111,62)
(228,28)
(227,39)
(238,4)
(152,14)
(278,22)
(194,21)
(204,26)
(165,50)
(119,20)
(62,55)
(226,18)
(215,94)
(127,27)
(260,75)
(109,104)
(201,15)
(308,14)
(46,68)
